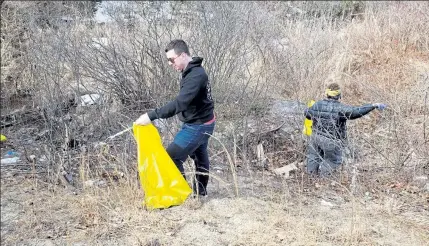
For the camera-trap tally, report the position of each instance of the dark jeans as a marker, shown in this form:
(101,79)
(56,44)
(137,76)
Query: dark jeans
(324,155)
(192,140)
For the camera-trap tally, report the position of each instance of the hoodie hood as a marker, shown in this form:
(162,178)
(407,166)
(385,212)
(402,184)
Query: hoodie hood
(196,62)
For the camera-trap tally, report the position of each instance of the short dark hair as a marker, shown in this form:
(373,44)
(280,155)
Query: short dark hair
(333,87)
(178,45)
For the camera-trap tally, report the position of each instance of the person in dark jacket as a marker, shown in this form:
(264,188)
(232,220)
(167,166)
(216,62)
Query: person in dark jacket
(195,108)
(329,133)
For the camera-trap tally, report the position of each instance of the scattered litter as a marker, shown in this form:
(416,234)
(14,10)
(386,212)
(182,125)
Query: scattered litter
(67,176)
(11,153)
(90,99)
(101,183)
(43,158)
(91,183)
(368,195)
(11,160)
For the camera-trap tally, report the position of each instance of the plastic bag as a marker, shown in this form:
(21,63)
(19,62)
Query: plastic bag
(308,124)
(162,182)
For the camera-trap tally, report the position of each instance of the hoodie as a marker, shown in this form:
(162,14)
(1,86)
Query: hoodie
(194,104)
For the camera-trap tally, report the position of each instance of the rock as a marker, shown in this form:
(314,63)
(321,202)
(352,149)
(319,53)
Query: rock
(285,170)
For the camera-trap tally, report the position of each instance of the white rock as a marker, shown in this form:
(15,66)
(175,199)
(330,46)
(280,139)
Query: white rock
(285,170)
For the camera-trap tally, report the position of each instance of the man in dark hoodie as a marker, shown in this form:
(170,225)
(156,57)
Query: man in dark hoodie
(195,106)
(329,133)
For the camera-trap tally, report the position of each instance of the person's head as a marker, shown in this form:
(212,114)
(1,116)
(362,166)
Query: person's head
(333,91)
(178,55)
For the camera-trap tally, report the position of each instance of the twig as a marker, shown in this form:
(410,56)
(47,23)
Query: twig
(119,133)
(379,151)
(271,130)
(424,117)
(231,163)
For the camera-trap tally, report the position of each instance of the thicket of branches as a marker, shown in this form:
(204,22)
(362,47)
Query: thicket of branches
(53,52)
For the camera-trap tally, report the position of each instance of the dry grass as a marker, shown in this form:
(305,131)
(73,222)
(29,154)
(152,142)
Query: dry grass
(113,216)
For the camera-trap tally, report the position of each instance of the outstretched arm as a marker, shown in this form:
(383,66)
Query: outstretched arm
(352,112)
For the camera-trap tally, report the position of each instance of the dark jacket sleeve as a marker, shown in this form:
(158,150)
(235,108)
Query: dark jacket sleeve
(351,112)
(190,87)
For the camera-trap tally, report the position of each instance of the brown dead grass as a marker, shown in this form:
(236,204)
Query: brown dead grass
(114,216)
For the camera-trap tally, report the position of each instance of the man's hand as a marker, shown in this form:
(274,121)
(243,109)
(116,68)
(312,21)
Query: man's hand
(380,106)
(143,120)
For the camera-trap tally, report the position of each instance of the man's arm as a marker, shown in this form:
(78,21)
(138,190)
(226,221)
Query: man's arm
(191,86)
(351,112)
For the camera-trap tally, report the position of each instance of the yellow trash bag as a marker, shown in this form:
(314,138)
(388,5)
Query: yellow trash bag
(308,124)
(161,180)
(3,138)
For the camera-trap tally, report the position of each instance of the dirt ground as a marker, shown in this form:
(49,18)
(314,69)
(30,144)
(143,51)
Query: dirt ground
(268,211)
